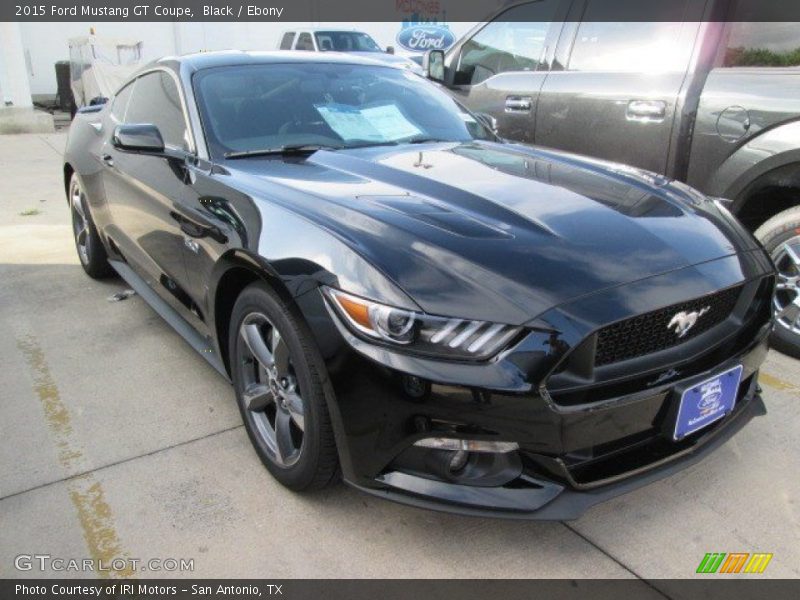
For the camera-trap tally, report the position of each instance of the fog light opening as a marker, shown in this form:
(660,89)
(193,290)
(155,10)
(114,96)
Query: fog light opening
(476,463)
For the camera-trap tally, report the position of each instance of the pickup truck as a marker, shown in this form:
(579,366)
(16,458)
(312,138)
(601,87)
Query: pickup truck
(701,91)
(328,39)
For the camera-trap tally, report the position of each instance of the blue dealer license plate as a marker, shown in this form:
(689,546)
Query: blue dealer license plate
(707,402)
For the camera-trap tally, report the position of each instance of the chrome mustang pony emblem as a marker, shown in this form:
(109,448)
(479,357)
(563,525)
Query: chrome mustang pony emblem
(683,321)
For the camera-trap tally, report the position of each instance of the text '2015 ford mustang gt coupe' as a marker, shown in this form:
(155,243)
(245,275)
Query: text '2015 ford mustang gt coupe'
(446,319)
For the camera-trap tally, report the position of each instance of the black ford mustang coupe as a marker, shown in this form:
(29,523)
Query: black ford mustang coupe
(399,296)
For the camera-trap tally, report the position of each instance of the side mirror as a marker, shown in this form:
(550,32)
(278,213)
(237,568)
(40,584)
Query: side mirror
(433,65)
(389,49)
(145,138)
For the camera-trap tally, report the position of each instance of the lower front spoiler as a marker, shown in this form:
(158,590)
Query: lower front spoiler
(548,500)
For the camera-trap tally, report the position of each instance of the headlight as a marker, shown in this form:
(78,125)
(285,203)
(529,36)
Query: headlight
(421,333)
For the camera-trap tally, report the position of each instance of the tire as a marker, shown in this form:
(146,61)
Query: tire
(88,244)
(282,390)
(781,238)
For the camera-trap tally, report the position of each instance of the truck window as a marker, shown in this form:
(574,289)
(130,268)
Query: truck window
(767,44)
(651,45)
(514,41)
(286,40)
(304,42)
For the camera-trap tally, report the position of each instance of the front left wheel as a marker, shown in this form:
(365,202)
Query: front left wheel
(282,390)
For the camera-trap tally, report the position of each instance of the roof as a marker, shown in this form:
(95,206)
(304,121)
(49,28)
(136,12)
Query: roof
(318,29)
(207,60)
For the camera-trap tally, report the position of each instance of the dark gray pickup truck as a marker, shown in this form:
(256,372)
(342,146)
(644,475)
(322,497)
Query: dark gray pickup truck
(696,90)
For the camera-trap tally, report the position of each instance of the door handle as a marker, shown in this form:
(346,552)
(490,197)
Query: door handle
(518,103)
(646,110)
(198,227)
(108,160)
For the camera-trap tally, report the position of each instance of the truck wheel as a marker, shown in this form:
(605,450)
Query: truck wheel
(781,237)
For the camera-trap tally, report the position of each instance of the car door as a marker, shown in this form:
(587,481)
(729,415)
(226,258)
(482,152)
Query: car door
(141,189)
(615,85)
(499,68)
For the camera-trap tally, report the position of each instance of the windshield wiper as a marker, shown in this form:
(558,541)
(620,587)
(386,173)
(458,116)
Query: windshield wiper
(426,140)
(287,150)
(368,144)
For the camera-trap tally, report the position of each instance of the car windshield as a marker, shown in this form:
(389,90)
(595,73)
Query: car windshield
(346,41)
(264,107)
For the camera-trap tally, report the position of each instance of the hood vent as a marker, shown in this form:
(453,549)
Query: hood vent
(439,215)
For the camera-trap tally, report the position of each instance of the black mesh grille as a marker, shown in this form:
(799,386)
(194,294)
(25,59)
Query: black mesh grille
(648,333)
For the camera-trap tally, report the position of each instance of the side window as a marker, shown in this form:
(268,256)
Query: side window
(654,44)
(325,42)
(156,100)
(756,44)
(304,42)
(286,41)
(514,41)
(120,103)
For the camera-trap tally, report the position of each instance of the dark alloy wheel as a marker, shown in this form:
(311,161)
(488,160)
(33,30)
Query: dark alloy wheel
(282,389)
(91,252)
(269,389)
(80,224)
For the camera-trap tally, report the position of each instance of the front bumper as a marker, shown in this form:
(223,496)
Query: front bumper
(550,501)
(572,454)
(622,442)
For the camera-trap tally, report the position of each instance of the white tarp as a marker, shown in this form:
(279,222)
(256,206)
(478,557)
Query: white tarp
(100,65)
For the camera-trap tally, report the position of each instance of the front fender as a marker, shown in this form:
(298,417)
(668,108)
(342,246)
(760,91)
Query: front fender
(304,255)
(295,256)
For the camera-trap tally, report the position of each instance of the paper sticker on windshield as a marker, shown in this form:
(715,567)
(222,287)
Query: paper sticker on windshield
(377,124)
(348,122)
(390,122)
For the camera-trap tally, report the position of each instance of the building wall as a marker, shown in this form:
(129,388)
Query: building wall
(47,43)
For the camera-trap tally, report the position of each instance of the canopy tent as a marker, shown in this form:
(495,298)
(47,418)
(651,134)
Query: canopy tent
(100,65)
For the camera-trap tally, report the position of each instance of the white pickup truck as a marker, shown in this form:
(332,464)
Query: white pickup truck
(344,40)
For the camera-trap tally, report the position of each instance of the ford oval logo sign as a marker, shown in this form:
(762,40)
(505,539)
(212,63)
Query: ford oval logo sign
(420,38)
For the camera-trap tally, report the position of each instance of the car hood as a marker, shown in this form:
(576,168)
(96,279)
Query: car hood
(497,231)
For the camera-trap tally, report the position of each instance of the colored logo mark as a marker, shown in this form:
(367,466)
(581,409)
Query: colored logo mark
(734,562)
